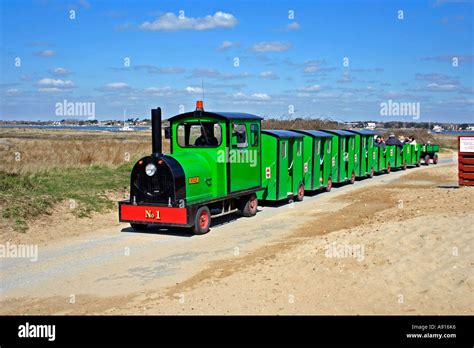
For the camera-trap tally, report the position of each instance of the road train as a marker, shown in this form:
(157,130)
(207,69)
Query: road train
(223,162)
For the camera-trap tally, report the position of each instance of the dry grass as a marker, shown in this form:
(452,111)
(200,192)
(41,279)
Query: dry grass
(446,141)
(29,151)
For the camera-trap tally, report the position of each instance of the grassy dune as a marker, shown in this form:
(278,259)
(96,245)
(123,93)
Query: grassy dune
(40,168)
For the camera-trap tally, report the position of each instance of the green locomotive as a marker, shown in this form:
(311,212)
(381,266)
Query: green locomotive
(222,162)
(214,168)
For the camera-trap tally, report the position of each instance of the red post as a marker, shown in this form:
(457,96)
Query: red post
(466,160)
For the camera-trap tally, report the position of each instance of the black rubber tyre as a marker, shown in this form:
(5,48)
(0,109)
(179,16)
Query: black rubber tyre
(202,221)
(249,206)
(300,194)
(435,159)
(427,160)
(139,227)
(329,187)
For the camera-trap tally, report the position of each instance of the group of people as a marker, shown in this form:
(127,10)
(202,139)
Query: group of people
(393,140)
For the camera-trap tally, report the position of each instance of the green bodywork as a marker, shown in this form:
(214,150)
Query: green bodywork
(415,154)
(380,161)
(343,155)
(207,168)
(317,159)
(429,148)
(365,153)
(282,164)
(390,155)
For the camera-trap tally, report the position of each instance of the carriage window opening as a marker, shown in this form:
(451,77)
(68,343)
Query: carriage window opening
(199,134)
(240,133)
(283,149)
(329,146)
(254,134)
(298,149)
(316,146)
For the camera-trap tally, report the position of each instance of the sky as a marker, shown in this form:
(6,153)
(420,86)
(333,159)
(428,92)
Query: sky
(343,60)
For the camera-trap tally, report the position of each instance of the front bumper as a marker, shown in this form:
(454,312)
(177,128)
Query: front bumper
(153,214)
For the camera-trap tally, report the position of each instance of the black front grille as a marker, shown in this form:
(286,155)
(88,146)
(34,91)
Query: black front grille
(158,188)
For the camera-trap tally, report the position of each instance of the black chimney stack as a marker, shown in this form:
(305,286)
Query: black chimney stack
(156,131)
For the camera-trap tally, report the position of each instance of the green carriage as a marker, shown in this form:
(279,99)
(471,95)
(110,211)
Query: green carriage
(364,142)
(429,152)
(344,156)
(317,160)
(282,166)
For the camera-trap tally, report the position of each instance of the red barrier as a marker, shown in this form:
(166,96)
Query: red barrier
(466,160)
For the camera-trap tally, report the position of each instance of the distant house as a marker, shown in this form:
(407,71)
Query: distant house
(370,125)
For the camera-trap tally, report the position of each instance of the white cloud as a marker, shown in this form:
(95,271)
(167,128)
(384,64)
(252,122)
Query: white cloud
(117,85)
(152,69)
(310,69)
(260,96)
(158,89)
(293,26)
(254,96)
(61,71)
(170,22)
(441,87)
(225,45)
(312,66)
(268,75)
(12,91)
(312,88)
(193,89)
(45,53)
(48,84)
(271,46)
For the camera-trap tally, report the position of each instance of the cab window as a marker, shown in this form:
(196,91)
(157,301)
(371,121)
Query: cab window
(199,134)
(254,134)
(239,136)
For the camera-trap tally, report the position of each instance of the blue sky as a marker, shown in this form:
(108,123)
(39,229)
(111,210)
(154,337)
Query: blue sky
(291,64)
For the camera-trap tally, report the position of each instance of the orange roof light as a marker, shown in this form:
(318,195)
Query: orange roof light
(199,105)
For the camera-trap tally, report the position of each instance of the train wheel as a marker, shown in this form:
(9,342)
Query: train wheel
(435,159)
(300,195)
(353,178)
(405,165)
(139,227)
(202,221)
(329,187)
(427,160)
(371,174)
(249,208)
